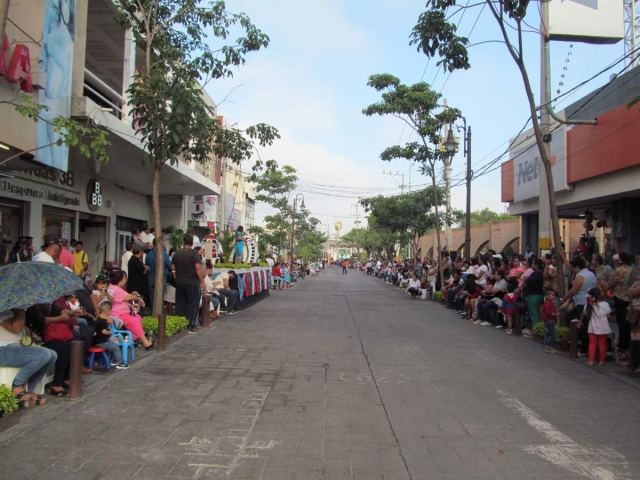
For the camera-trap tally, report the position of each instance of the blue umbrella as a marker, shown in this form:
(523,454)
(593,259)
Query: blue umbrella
(29,283)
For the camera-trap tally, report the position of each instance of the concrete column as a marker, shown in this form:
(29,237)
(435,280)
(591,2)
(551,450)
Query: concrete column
(129,71)
(625,221)
(78,107)
(529,232)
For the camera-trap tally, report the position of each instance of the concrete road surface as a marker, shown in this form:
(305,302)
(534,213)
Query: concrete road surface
(339,377)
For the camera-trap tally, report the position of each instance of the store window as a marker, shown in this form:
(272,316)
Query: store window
(11,215)
(57,222)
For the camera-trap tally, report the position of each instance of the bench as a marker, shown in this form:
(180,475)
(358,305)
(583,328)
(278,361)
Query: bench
(7,374)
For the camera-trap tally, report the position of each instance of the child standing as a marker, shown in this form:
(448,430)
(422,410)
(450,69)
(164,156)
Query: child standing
(549,314)
(597,312)
(102,338)
(509,305)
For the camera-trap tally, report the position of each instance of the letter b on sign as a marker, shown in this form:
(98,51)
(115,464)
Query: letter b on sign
(94,195)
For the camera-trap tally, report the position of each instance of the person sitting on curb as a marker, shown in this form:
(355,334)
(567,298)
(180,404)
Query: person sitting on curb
(414,286)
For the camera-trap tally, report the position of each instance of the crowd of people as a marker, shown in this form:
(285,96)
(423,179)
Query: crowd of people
(493,289)
(105,309)
(284,274)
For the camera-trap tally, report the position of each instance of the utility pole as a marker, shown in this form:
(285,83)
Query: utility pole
(544,208)
(447,185)
(448,234)
(467,230)
(397,175)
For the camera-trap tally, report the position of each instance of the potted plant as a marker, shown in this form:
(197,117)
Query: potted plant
(8,401)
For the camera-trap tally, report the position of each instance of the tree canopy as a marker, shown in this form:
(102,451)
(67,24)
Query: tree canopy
(170,113)
(484,216)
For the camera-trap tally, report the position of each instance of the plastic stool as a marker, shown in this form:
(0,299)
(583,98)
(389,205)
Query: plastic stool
(103,356)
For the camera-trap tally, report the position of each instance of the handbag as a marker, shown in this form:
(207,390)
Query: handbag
(60,331)
(633,315)
(26,340)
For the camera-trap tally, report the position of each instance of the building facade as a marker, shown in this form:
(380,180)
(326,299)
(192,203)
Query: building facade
(596,169)
(79,67)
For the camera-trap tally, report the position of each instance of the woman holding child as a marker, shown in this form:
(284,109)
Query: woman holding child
(121,307)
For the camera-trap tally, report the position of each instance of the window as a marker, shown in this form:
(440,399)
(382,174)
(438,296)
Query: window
(249,213)
(57,222)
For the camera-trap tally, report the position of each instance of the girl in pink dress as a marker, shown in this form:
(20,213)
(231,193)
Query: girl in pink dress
(121,308)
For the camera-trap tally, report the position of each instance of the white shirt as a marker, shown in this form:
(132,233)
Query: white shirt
(483,281)
(144,238)
(124,263)
(196,241)
(599,323)
(44,257)
(270,262)
(414,283)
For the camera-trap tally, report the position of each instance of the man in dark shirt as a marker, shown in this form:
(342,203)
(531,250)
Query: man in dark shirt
(138,278)
(187,271)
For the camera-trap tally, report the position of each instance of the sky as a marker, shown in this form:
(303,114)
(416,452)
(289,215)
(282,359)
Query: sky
(310,83)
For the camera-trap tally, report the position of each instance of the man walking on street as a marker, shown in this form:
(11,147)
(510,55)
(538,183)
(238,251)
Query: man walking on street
(345,264)
(187,271)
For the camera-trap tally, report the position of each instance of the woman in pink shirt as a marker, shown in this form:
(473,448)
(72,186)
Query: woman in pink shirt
(121,307)
(517,270)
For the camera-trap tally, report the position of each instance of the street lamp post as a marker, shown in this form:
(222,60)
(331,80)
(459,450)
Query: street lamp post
(451,144)
(293,222)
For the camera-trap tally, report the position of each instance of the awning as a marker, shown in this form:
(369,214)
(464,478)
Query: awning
(125,167)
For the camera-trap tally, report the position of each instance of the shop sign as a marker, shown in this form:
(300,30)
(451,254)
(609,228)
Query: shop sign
(18,69)
(94,195)
(64,179)
(21,191)
(198,199)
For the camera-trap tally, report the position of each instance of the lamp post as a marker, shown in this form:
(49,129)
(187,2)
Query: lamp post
(451,144)
(293,222)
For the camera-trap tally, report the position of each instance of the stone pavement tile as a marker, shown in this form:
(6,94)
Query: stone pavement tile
(66,476)
(336,471)
(248,468)
(309,450)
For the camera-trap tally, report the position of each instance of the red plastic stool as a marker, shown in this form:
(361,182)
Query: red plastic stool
(102,356)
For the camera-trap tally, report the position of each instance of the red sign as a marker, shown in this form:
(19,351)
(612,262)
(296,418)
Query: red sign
(19,69)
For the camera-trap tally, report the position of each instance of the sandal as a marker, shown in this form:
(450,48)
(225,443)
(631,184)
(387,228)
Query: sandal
(601,364)
(37,399)
(590,364)
(57,393)
(24,402)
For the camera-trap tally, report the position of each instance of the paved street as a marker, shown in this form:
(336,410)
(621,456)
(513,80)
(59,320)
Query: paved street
(343,377)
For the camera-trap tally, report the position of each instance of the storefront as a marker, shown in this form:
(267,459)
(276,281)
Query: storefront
(50,203)
(11,219)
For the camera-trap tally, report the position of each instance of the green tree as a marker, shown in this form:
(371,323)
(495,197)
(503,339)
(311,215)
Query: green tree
(484,216)
(274,186)
(171,116)
(419,107)
(409,215)
(435,34)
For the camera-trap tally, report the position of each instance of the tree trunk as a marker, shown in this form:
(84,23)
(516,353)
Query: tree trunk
(158,297)
(546,162)
(435,204)
(4,13)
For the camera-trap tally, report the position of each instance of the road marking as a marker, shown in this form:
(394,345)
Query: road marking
(251,406)
(593,462)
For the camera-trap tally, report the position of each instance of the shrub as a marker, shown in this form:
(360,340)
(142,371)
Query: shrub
(8,401)
(437,296)
(538,330)
(174,325)
(561,332)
